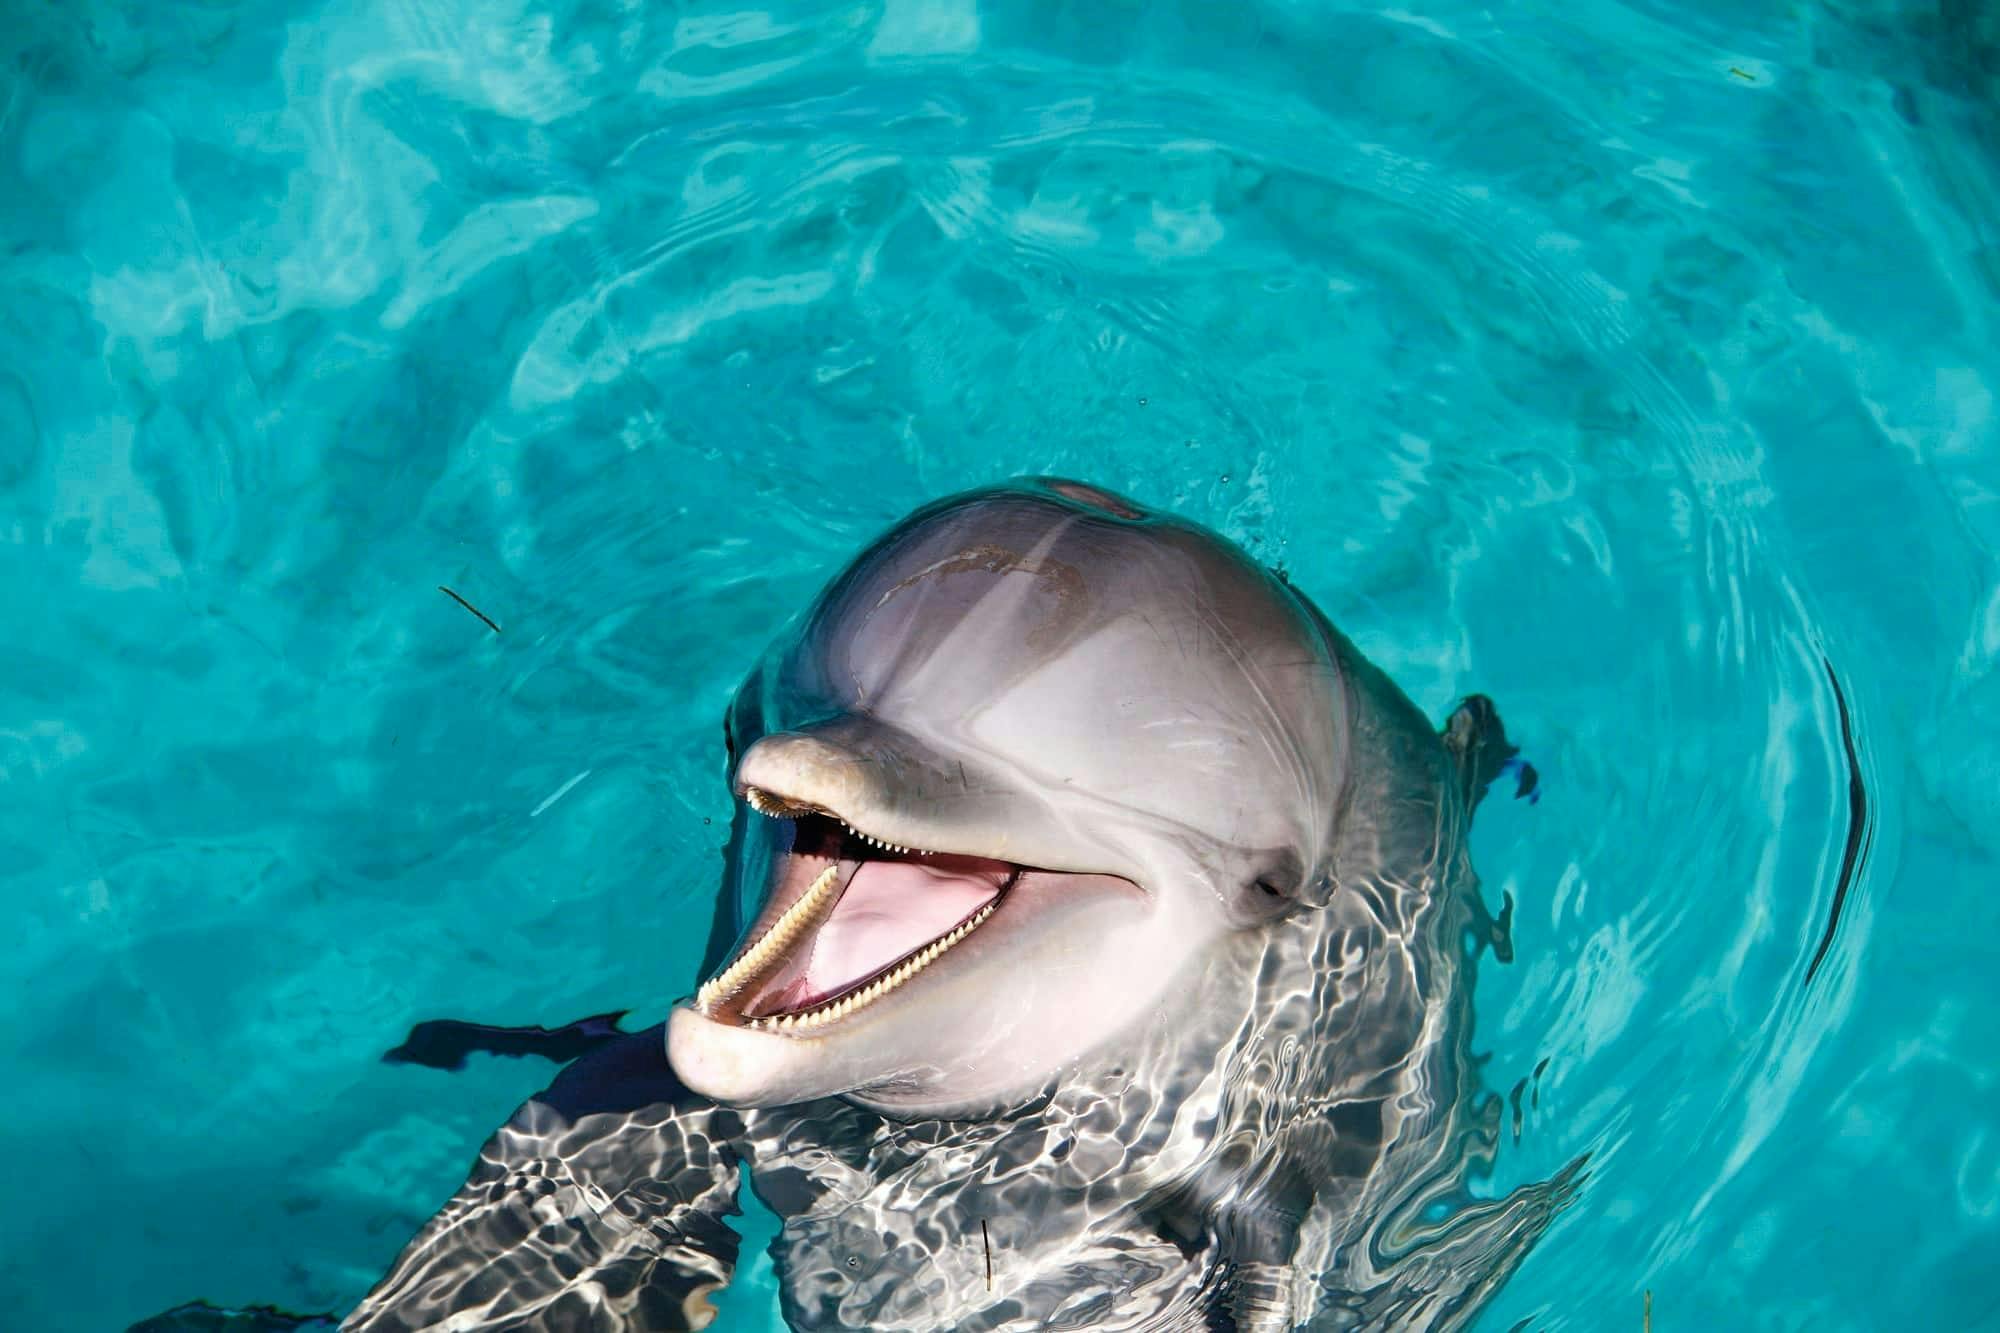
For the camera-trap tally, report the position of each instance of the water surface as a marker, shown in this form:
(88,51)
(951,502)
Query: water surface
(1633,364)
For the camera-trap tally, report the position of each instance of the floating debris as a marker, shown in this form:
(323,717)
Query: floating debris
(470,607)
(1860,827)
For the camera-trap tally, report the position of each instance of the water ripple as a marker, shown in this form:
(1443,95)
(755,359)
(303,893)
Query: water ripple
(1627,362)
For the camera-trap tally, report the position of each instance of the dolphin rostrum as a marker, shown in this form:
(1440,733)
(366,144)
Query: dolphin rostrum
(1094,953)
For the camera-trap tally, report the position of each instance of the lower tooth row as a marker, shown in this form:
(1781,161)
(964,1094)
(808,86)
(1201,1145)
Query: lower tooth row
(877,988)
(772,942)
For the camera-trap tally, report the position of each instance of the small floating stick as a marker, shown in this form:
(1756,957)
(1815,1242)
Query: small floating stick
(470,607)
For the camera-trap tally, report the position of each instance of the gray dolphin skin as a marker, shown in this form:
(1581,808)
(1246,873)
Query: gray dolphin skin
(1095,952)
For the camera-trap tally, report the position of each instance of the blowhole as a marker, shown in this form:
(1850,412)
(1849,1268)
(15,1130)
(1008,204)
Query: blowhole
(1101,500)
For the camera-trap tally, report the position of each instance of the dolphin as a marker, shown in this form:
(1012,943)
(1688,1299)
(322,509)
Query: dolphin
(1094,952)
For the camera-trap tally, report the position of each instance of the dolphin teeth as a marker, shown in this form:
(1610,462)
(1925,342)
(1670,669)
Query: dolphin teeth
(834,1010)
(775,806)
(778,807)
(771,943)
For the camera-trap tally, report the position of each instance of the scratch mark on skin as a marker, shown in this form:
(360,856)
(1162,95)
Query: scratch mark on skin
(1062,582)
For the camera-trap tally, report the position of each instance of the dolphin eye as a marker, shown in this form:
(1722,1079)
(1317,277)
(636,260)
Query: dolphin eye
(1267,897)
(729,736)
(1279,879)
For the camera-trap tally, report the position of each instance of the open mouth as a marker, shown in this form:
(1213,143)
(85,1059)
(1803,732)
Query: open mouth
(849,919)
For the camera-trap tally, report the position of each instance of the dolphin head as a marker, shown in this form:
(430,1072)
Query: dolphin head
(1035,755)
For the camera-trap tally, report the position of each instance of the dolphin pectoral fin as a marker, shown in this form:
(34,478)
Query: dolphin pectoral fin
(1241,1223)
(1477,741)
(1260,1298)
(1451,1265)
(599,1206)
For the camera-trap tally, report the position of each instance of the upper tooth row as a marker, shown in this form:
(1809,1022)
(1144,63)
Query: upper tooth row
(766,804)
(886,846)
(777,807)
(772,942)
(877,988)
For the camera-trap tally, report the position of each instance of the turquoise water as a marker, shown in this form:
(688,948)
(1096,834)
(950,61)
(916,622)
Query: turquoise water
(1634,364)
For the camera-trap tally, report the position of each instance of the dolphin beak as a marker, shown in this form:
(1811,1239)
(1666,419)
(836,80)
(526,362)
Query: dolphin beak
(906,889)
(897,791)
(882,782)
(741,1066)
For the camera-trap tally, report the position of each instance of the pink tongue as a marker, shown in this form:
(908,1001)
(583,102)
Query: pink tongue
(891,908)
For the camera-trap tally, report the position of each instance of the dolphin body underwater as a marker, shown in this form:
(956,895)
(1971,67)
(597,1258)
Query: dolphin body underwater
(1094,952)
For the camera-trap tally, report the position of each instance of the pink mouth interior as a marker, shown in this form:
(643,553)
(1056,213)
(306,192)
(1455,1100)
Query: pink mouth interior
(888,910)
